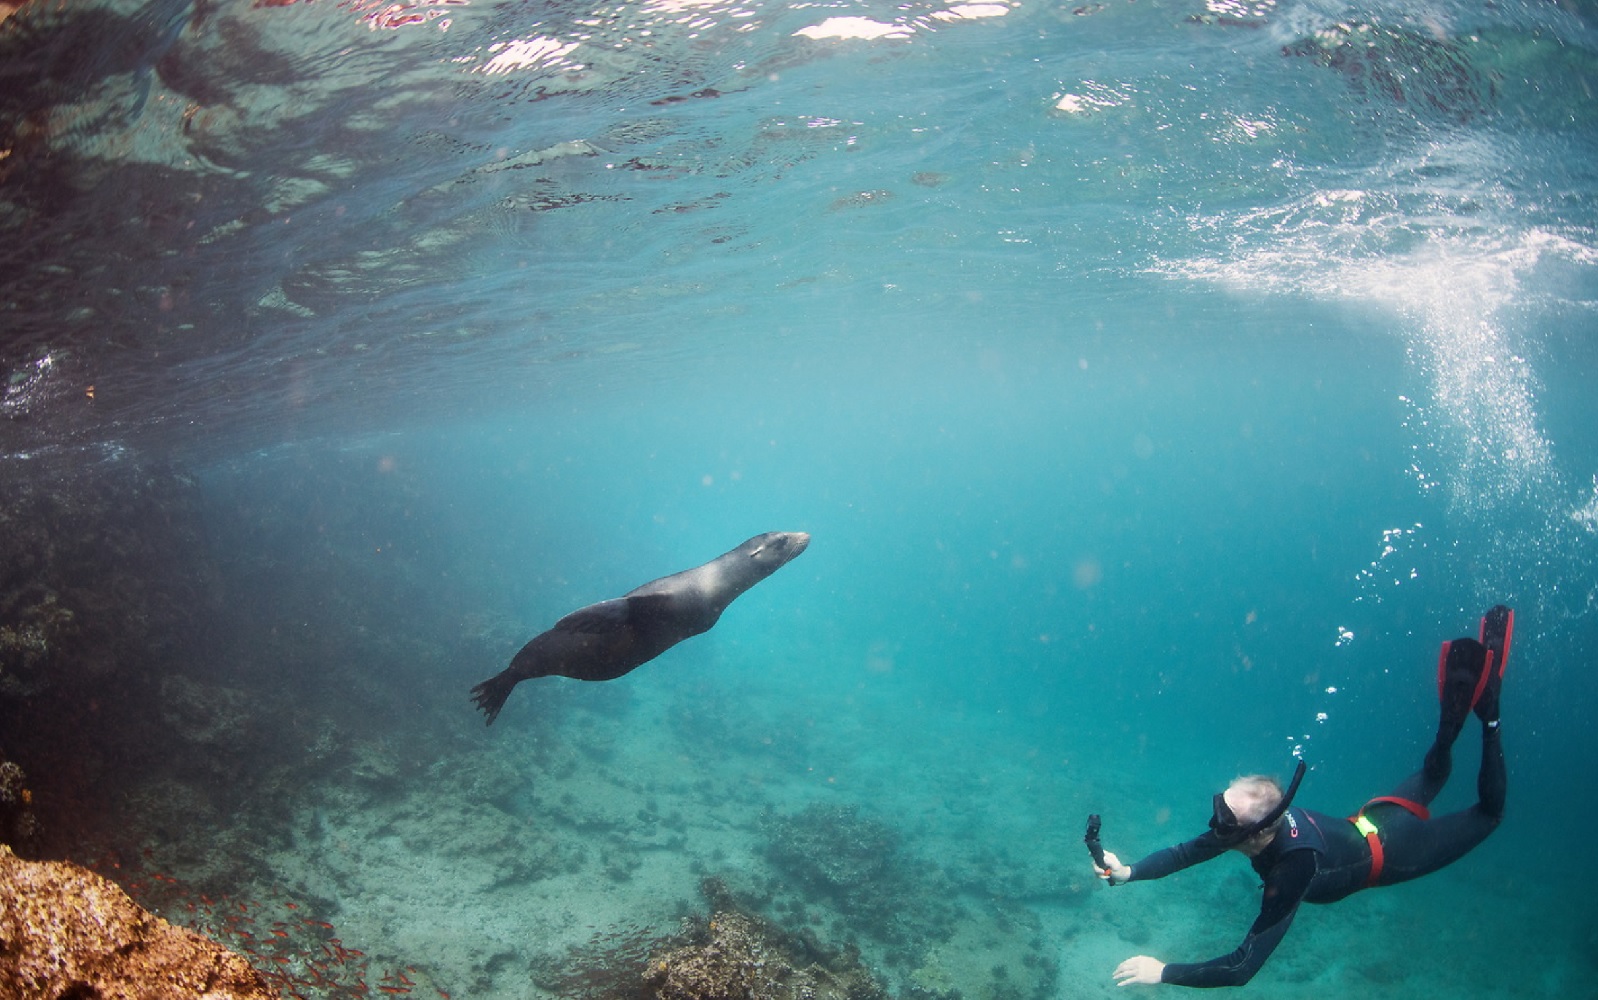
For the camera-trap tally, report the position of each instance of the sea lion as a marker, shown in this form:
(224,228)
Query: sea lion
(605,640)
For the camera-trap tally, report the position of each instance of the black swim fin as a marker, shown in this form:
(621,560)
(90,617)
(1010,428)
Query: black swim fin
(1461,675)
(1497,632)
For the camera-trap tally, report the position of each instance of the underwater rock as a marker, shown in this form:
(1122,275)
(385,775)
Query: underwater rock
(33,630)
(66,932)
(840,860)
(104,589)
(18,825)
(376,765)
(97,573)
(732,955)
(215,720)
(11,782)
(738,956)
(830,846)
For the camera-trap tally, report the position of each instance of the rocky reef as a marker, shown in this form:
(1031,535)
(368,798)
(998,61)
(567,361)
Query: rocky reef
(103,587)
(738,956)
(944,930)
(67,932)
(17,821)
(731,954)
(835,851)
(97,567)
(836,858)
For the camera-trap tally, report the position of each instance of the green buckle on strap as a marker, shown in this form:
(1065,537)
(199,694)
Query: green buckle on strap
(1364,825)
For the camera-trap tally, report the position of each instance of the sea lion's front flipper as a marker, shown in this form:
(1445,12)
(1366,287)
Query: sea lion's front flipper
(614,615)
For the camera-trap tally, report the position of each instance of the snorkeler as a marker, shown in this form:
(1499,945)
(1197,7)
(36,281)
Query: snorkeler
(1310,856)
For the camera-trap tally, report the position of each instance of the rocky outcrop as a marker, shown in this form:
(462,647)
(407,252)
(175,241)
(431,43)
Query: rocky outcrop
(106,588)
(66,932)
(17,822)
(738,956)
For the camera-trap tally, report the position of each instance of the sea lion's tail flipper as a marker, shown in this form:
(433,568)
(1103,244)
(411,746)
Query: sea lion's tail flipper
(491,694)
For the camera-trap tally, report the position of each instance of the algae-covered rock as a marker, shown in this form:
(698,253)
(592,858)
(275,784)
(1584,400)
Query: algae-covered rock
(738,956)
(67,932)
(833,848)
(18,825)
(104,590)
(98,575)
(733,954)
(838,859)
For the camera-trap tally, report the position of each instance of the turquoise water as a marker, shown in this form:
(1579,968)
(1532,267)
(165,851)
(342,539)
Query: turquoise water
(1159,383)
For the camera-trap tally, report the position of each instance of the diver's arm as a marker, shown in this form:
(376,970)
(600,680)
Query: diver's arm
(1161,863)
(1173,859)
(1284,890)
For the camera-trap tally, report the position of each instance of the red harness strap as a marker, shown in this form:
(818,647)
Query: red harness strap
(1365,826)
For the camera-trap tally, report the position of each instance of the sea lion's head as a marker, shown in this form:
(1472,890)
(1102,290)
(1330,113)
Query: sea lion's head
(774,549)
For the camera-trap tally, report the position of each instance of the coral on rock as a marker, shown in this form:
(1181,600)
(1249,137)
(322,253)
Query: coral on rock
(732,955)
(67,932)
(741,957)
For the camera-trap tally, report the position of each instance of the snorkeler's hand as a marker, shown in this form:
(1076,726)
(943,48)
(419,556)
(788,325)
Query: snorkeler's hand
(1113,871)
(1139,969)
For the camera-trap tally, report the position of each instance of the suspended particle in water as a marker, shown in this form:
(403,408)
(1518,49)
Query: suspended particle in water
(1088,573)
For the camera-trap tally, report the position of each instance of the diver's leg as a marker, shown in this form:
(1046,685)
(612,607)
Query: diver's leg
(1415,848)
(1497,629)
(1470,676)
(1492,782)
(1459,672)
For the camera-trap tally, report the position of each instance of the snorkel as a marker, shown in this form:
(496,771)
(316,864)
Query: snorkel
(1230,832)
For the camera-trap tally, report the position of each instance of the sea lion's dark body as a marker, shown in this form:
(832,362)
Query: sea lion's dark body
(605,640)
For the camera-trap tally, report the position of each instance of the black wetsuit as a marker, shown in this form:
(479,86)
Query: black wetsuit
(1318,858)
